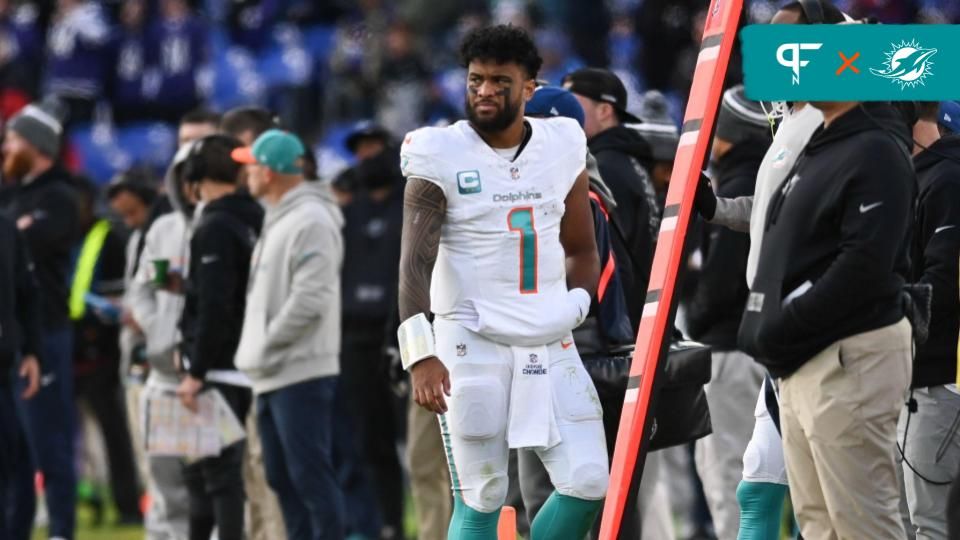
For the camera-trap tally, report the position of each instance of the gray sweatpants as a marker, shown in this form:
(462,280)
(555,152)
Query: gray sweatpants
(168,515)
(933,448)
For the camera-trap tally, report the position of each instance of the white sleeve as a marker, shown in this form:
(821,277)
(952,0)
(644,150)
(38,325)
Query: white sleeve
(417,157)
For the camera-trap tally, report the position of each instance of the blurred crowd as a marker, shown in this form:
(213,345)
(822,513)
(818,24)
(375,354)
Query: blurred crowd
(102,104)
(130,69)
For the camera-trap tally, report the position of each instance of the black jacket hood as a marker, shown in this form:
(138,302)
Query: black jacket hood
(239,205)
(864,117)
(944,148)
(623,139)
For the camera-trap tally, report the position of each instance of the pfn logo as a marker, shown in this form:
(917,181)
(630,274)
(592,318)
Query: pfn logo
(794,62)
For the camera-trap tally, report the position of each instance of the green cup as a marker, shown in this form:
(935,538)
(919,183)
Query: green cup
(161,271)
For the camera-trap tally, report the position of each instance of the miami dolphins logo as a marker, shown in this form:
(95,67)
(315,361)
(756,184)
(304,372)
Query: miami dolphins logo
(908,64)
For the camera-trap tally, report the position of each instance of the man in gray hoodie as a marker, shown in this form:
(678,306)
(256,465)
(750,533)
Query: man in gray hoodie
(290,343)
(156,311)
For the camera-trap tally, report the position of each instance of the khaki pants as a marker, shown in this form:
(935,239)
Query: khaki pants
(732,397)
(264,520)
(839,416)
(429,475)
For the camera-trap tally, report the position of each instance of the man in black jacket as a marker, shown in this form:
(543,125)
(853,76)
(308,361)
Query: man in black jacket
(95,294)
(930,442)
(620,151)
(220,251)
(371,232)
(825,316)
(716,304)
(20,341)
(40,199)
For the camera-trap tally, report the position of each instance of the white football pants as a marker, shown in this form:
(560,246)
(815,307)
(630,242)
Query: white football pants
(475,426)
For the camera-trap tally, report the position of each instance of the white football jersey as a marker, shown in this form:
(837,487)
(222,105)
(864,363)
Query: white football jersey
(500,270)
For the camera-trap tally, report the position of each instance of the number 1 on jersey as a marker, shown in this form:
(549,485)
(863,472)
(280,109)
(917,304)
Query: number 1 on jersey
(520,220)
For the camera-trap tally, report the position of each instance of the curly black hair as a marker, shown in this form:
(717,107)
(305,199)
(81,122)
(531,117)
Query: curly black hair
(503,44)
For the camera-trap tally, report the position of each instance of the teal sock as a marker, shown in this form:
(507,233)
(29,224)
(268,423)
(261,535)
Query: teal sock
(564,518)
(470,524)
(761,505)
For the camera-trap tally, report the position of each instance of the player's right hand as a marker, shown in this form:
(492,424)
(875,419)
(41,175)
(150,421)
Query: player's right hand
(431,381)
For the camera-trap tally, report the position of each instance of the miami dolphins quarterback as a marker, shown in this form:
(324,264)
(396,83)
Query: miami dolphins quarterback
(498,247)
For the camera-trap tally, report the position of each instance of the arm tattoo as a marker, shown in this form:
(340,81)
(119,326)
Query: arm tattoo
(424,208)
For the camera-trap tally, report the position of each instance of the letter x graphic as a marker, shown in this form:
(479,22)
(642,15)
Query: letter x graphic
(848,63)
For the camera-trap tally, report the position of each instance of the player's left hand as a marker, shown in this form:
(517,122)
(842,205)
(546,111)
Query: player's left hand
(431,381)
(188,390)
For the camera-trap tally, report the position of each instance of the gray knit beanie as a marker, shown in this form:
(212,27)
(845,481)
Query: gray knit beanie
(41,124)
(658,129)
(740,119)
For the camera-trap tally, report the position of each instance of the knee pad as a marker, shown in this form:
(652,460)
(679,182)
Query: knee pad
(588,481)
(476,422)
(487,492)
(763,457)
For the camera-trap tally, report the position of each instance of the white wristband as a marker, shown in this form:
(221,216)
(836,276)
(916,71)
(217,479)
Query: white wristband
(580,299)
(415,336)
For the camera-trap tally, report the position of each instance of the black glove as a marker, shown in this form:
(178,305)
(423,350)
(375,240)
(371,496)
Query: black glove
(705,201)
(917,300)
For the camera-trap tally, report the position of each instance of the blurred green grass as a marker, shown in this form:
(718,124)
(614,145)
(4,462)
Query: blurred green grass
(86,530)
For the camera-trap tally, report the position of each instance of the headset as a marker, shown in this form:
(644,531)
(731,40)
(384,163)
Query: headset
(194,168)
(813,11)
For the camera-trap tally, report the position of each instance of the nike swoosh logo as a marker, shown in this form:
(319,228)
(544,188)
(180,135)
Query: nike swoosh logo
(47,379)
(566,344)
(941,229)
(864,208)
(207,259)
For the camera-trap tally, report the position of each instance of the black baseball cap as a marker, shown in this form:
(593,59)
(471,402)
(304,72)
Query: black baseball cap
(365,129)
(600,85)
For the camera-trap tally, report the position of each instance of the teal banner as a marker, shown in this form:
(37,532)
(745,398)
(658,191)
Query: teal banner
(851,62)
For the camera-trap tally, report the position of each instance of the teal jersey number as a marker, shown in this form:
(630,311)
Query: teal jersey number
(520,220)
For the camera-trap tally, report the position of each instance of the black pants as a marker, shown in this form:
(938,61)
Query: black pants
(13,454)
(215,484)
(366,385)
(102,391)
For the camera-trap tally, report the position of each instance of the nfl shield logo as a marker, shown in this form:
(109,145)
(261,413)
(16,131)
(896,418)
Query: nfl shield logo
(461,349)
(514,173)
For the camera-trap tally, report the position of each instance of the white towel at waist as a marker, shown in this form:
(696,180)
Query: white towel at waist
(532,421)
